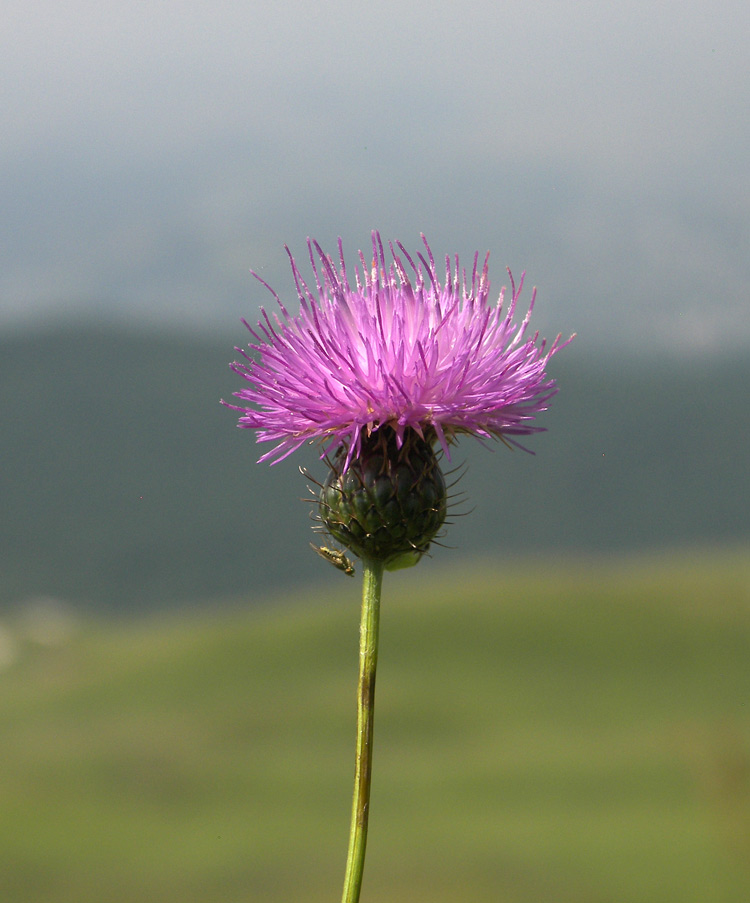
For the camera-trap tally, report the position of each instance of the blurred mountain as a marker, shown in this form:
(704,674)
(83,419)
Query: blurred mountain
(125,485)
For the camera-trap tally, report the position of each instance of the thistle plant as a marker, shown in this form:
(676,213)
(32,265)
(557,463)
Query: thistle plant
(385,375)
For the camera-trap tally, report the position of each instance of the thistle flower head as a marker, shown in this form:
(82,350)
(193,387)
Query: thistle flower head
(398,350)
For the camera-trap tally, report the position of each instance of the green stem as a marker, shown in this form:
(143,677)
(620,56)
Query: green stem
(368,662)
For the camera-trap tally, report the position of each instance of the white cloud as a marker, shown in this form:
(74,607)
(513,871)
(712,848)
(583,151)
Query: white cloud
(152,153)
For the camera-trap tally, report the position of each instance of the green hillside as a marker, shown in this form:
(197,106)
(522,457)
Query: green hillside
(125,485)
(544,733)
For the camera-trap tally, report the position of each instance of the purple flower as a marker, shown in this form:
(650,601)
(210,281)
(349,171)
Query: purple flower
(398,349)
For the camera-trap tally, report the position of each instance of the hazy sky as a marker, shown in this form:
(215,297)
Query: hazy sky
(153,153)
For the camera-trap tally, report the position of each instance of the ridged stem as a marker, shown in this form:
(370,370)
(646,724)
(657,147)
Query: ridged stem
(368,662)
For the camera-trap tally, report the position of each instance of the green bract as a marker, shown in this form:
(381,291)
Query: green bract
(389,503)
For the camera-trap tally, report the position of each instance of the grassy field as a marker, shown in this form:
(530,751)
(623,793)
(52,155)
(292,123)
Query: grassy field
(552,732)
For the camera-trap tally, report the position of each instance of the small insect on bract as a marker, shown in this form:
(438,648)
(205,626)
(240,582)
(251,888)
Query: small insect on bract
(336,558)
